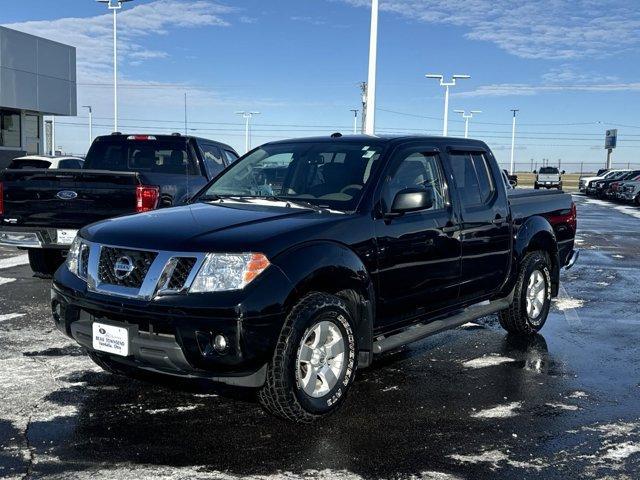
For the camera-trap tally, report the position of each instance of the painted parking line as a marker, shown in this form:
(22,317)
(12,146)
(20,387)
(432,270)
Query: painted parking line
(10,316)
(14,261)
(4,281)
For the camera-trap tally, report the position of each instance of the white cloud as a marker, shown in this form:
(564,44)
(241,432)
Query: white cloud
(549,29)
(523,89)
(92,36)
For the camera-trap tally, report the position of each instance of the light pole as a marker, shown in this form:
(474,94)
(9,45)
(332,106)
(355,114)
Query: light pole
(370,113)
(467,117)
(446,85)
(513,138)
(355,120)
(247,132)
(114,6)
(90,108)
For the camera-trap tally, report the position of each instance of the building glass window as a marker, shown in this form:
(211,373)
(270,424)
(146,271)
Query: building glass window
(9,129)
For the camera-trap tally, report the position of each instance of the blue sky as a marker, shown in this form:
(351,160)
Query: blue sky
(572,67)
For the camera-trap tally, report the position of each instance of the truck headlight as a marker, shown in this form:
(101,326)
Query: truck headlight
(222,272)
(78,258)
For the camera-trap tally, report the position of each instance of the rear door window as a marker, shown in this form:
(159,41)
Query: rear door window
(473,179)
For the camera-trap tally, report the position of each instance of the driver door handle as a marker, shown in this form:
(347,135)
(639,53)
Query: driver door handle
(450,228)
(498,220)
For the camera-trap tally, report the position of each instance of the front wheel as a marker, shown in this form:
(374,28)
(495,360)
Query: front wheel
(532,296)
(314,363)
(45,262)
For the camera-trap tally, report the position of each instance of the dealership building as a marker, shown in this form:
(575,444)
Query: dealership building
(37,78)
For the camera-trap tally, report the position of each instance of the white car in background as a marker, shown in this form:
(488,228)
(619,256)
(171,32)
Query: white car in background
(46,162)
(602,175)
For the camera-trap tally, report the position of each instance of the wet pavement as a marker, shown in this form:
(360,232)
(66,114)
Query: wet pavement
(471,403)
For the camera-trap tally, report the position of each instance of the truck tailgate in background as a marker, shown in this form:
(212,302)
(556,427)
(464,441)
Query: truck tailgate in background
(67,198)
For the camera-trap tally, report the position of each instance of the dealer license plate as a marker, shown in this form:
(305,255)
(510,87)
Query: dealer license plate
(110,339)
(65,237)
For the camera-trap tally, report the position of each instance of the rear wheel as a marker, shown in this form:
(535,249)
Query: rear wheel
(636,201)
(536,186)
(45,262)
(314,362)
(532,296)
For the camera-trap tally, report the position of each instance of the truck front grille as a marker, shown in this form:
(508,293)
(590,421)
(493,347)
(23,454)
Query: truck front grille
(181,273)
(125,268)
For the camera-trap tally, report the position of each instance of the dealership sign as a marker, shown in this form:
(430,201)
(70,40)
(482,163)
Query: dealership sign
(611,139)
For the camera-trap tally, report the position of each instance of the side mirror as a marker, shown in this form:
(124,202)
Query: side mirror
(513,183)
(535,171)
(412,200)
(563,172)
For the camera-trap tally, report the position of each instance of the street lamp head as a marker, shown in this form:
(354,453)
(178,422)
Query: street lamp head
(434,75)
(459,111)
(113,4)
(457,77)
(476,111)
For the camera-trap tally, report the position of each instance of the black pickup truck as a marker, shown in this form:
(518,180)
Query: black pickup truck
(307,258)
(42,210)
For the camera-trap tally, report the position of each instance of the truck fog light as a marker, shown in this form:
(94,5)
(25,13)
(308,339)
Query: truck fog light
(220,343)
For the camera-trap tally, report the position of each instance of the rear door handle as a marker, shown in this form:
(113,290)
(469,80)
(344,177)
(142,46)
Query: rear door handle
(499,221)
(452,228)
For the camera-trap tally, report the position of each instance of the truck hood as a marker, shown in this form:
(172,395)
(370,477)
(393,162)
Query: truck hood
(213,227)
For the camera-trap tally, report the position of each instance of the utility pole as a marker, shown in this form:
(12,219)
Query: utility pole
(90,108)
(247,128)
(513,138)
(185,114)
(446,85)
(363,90)
(355,120)
(467,117)
(114,6)
(370,122)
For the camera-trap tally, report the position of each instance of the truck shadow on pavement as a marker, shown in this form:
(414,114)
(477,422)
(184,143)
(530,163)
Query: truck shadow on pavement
(407,414)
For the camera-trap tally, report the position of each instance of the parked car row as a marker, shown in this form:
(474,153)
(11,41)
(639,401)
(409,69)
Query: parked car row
(621,185)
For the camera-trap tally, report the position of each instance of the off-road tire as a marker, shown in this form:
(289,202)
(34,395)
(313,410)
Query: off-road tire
(44,262)
(515,319)
(281,395)
(105,363)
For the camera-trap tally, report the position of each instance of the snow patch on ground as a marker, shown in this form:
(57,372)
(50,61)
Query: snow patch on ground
(496,459)
(621,451)
(487,361)
(471,325)
(186,408)
(14,261)
(563,406)
(563,304)
(501,411)
(10,316)
(578,394)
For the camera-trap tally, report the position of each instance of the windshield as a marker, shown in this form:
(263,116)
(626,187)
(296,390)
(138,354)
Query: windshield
(324,174)
(547,170)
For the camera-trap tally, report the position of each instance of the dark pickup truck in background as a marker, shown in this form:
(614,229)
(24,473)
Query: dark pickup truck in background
(307,258)
(42,210)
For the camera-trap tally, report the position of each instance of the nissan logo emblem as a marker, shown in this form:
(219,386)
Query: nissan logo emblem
(67,195)
(123,268)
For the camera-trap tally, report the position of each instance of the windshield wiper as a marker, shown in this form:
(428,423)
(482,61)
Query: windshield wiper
(310,205)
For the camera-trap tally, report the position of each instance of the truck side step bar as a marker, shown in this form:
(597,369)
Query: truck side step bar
(420,331)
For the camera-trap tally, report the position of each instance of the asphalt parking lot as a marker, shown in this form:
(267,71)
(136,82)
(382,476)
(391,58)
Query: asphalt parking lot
(471,403)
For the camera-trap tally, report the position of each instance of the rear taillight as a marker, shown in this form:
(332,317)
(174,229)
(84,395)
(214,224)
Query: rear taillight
(147,198)
(1,199)
(570,218)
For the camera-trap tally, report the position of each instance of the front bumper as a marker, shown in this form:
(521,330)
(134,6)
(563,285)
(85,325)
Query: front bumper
(173,335)
(31,237)
(628,196)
